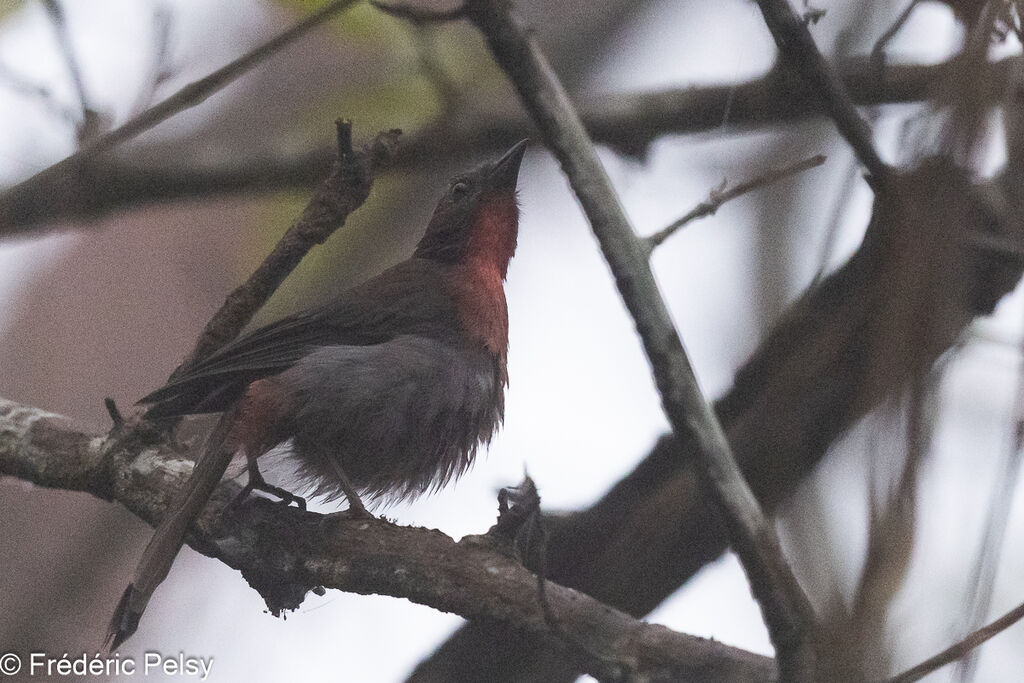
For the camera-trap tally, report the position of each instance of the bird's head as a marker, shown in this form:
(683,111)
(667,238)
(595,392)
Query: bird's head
(477,220)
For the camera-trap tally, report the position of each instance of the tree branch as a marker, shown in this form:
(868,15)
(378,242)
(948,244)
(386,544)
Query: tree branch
(341,193)
(785,608)
(722,194)
(961,649)
(285,552)
(73,173)
(798,49)
(803,388)
(628,122)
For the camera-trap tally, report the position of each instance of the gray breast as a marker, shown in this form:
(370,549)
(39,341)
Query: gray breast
(401,418)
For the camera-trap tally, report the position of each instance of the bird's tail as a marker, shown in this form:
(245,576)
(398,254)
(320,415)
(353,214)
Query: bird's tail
(170,535)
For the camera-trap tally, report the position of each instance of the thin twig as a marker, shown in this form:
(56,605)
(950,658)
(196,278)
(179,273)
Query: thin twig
(878,51)
(817,349)
(521,525)
(627,124)
(962,648)
(87,123)
(198,91)
(114,412)
(986,563)
(419,15)
(341,193)
(786,609)
(798,48)
(720,196)
(58,177)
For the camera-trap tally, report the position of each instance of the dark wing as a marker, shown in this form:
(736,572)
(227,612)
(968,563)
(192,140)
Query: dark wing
(215,382)
(409,298)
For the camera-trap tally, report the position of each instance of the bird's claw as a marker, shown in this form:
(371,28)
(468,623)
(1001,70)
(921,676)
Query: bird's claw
(257,483)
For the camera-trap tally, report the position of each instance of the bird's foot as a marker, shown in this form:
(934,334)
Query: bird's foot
(356,509)
(332,521)
(286,497)
(257,483)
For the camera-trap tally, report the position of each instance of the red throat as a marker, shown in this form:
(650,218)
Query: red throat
(479,290)
(492,239)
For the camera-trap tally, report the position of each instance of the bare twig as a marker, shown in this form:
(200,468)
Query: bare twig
(87,124)
(721,195)
(626,123)
(787,612)
(67,174)
(342,192)
(614,668)
(798,49)
(857,648)
(196,92)
(284,553)
(962,648)
(419,15)
(802,389)
(522,529)
(878,51)
(1000,503)
(114,412)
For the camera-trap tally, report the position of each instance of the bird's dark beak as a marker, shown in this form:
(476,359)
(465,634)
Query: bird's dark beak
(505,171)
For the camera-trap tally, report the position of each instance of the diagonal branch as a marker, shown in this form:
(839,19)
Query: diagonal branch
(961,649)
(801,390)
(798,49)
(786,611)
(284,553)
(66,173)
(721,195)
(341,193)
(628,122)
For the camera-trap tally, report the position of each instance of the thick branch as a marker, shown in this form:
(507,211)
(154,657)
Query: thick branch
(283,553)
(628,122)
(800,391)
(785,608)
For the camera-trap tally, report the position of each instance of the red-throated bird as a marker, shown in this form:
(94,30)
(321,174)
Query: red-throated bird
(387,391)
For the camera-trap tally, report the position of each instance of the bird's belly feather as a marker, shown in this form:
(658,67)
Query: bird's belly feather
(401,418)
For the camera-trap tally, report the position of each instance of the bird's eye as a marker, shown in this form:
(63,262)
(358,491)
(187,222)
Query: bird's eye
(459,190)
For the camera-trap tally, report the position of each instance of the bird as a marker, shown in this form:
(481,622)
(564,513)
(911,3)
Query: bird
(387,391)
